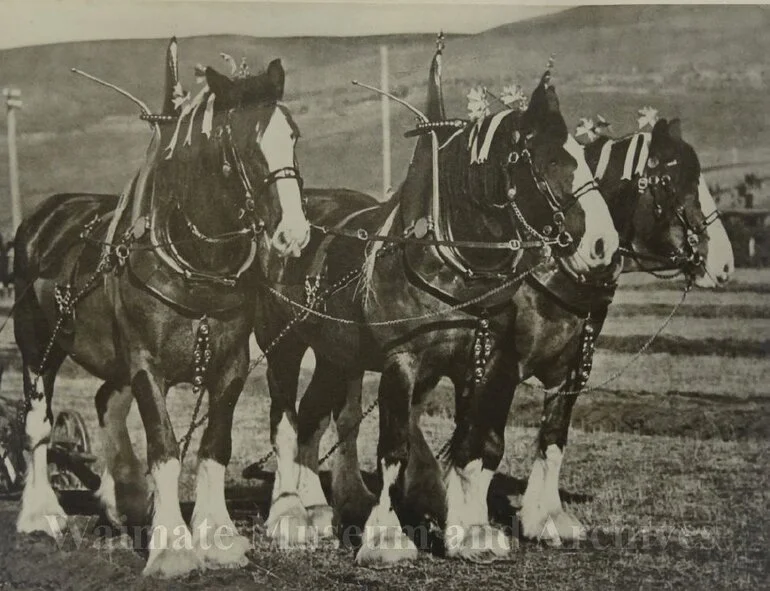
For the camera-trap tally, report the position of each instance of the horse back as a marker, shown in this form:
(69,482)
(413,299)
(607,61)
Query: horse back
(47,235)
(340,210)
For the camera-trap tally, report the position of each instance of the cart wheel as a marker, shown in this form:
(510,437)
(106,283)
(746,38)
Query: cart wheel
(70,445)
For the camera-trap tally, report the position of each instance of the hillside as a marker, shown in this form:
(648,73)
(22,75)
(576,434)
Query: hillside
(703,63)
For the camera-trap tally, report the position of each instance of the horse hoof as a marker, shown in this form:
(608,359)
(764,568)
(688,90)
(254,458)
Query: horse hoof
(553,528)
(386,547)
(226,550)
(321,519)
(45,516)
(170,563)
(477,543)
(568,526)
(288,524)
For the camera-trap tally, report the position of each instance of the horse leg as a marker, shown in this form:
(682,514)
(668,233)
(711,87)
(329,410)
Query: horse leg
(171,549)
(288,522)
(214,534)
(424,497)
(352,499)
(384,542)
(313,420)
(40,508)
(123,493)
(542,515)
(476,450)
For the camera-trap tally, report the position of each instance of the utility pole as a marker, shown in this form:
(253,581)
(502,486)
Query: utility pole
(12,103)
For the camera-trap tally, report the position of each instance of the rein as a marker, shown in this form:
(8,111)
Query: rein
(363,235)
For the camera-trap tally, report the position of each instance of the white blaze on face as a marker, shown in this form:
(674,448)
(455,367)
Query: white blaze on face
(719,260)
(277,142)
(600,240)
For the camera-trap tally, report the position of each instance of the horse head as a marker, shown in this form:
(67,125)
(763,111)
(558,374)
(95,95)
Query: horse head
(676,217)
(547,180)
(236,140)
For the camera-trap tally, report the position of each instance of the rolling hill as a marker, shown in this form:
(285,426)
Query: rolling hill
(706,64)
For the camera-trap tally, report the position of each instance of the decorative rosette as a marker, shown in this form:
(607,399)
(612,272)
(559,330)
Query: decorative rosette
(647,117)
(478,103)
(585,129)
(513,97)
(602,126)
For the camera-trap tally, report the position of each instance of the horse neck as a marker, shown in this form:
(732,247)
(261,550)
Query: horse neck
(613,163)
(459,195)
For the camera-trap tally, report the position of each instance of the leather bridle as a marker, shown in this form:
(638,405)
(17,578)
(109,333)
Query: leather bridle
(523,157)
(686,259)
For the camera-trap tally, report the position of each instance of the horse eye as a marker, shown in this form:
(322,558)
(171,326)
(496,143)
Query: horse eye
(653,162)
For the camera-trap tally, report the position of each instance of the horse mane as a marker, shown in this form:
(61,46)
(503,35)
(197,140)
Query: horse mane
(365,284)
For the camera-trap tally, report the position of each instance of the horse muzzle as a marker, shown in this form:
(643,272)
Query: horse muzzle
(290,240)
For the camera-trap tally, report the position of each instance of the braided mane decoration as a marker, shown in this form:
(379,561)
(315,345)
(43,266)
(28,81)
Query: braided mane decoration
(589,129)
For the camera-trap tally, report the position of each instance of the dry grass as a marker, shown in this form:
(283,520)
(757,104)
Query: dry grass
(755,329)
(662,512)
(732,311)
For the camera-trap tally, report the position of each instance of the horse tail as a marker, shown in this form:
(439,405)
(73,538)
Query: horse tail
(365,283)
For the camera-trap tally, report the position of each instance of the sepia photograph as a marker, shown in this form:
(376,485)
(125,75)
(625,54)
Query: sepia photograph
(360,294)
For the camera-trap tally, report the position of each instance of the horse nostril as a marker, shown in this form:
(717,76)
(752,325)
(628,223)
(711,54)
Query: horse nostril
(599,248)
(280,239)
(726,269)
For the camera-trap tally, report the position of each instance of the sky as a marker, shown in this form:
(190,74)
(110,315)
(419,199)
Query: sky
(33,22)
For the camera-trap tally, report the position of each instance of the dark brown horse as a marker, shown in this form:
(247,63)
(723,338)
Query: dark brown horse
(413,318)
(666,221)
(159,298)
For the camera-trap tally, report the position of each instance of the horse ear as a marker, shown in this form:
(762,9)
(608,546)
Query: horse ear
(277,77)
(219,84)
(660,129)
(552,100)
(543,105)
(172,77)
(675,129)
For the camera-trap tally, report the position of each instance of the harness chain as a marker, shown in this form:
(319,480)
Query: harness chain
(316,299)
(68,303)
(66,306)
(615,375)
(513,245)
